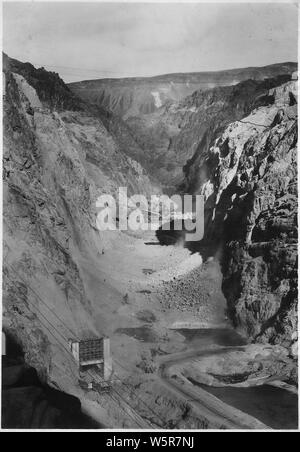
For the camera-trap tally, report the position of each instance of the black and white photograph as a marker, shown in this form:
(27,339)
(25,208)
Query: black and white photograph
(149,229)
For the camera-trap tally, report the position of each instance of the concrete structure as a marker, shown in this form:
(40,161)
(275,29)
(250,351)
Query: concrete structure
(295,75)
(93,352)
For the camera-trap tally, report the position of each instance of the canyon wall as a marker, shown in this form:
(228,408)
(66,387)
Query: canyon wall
(249,179)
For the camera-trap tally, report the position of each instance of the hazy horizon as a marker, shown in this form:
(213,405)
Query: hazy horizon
(84,41)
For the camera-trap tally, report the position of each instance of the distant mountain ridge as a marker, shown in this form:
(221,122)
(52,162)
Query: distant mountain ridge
(129,97)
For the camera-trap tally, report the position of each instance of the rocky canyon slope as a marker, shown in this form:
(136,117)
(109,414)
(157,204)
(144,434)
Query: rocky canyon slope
(58,158)
(249,179)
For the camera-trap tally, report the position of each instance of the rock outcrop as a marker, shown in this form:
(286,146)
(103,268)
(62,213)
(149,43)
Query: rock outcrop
(249,179)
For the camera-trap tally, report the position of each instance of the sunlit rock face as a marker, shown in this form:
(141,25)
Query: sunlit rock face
(249,177)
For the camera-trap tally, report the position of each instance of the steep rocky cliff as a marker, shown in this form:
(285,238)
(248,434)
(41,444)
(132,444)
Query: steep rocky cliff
(249,179)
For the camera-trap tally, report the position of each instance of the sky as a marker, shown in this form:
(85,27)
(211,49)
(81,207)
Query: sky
(97,40)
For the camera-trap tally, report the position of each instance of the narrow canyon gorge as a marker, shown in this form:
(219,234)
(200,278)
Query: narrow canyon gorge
(203,334)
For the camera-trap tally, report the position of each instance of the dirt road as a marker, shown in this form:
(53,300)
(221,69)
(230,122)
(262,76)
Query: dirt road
(210,406)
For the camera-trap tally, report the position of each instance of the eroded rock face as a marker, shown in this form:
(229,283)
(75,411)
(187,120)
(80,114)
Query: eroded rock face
(249,179)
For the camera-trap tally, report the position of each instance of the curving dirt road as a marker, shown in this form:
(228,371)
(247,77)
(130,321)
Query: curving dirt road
(218,412)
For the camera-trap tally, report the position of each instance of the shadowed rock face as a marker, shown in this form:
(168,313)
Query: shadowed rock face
(28,403)
(249,180)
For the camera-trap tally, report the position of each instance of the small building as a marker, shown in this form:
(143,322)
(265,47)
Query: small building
(93,352)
